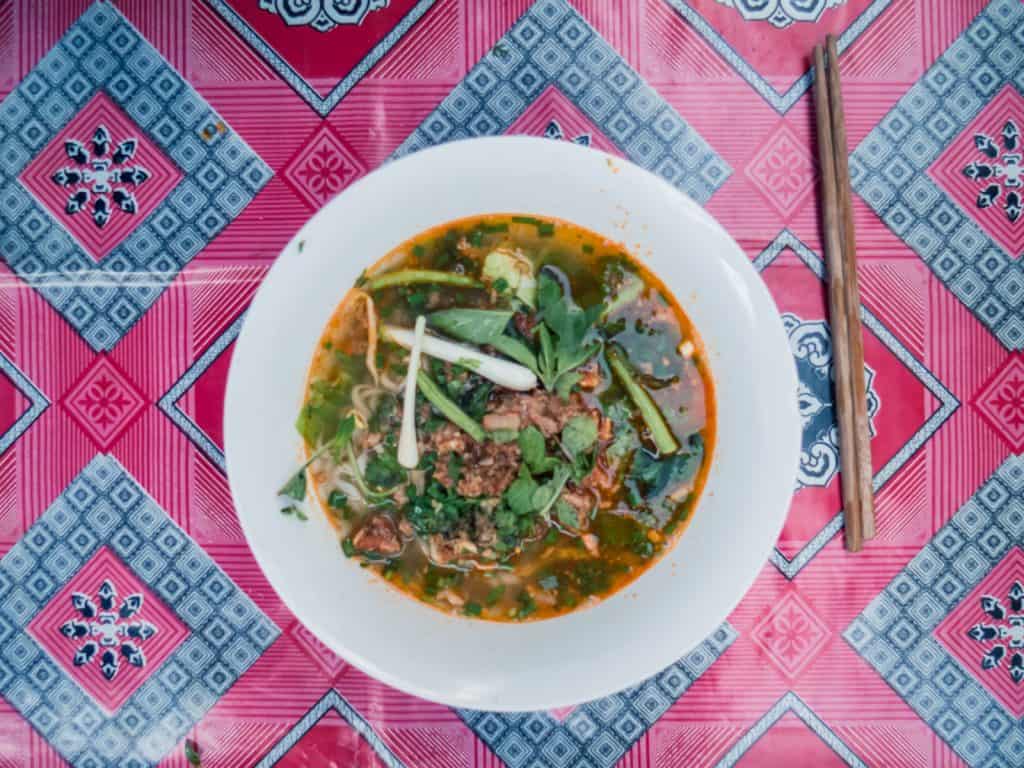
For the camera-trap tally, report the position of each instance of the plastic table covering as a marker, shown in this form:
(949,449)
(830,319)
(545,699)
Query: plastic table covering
(156,155)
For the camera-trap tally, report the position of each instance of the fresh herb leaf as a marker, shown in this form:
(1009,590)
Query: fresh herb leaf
(500,285)
(579,435)
(519,495)
(495,595)
(295,488)
(565,514)
(475,396)
(472,609)
(545,496)
(570,325)
(383,470)
(565,383)
(348,547)
(531,445)
(477,326)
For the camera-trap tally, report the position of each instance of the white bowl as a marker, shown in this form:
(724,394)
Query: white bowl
(633,634)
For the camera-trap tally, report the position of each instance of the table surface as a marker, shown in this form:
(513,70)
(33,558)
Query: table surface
(156,155)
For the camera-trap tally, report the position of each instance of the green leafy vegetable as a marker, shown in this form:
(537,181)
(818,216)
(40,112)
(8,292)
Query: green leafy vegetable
(569,325)
(519,495)
(472,609)
(295,488)
(437,509)
(483,326)
(534,450)
(477,326)
(383,470)
(654,477)
(663,438)
(579,435)
(527,605)
(495,595)
(566,515)
(546,495)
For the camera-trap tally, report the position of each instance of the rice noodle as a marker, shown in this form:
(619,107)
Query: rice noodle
(371,333)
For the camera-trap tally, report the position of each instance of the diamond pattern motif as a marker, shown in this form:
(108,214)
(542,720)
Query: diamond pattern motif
(906,632)
(1001,402)
(889,167)
(104,402)
(791,634)
(553,45)
(110,689)
(76,173)
(220,176)
(538,740)
(322,168)
(104,523)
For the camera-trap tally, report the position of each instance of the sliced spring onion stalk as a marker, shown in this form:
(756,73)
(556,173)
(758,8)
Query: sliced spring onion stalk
(408,452)
(413,276)
(663,438)
(502,372)
(447,407)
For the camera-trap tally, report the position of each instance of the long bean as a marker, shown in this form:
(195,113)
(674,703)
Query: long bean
(413,276)
(663,438)
(448,408)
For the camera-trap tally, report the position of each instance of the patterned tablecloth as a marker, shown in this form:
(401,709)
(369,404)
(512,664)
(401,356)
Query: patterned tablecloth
(155,155)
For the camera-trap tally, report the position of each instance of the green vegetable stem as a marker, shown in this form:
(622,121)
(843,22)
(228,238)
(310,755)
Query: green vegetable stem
(413,276)
(448,408)
(663,438)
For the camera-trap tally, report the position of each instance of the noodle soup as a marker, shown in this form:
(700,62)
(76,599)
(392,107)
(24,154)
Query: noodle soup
(507,418)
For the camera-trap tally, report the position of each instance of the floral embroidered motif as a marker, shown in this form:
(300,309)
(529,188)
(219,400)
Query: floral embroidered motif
(105,631)
(781,13)
(322,15)
(101,179)
(1007,629)
(811,342)
(1002,170)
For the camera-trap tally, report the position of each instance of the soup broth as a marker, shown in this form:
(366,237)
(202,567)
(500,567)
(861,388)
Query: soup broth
(523,503)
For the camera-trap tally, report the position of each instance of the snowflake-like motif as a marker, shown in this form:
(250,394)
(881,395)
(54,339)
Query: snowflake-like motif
(1002,170)
(781,13)
(101,176)
(105,631)
(1007,629)
(554,131)
(322,15)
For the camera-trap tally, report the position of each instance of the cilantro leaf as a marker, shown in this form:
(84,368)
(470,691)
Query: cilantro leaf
(295,488)
(570,325)
(519,495)
(565,514)
(579,435)
(533,448)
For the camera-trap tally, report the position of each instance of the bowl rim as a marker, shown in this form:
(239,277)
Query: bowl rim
(739,263)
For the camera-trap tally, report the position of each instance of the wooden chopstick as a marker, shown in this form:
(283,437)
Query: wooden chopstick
(838,314)
(853,327)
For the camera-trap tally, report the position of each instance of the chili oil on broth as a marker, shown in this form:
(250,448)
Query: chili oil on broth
(553,572)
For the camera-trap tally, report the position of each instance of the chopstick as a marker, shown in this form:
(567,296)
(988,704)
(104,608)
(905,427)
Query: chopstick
(860,400)
(844,303)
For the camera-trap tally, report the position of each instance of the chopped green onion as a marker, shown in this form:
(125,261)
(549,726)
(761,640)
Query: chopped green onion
(411,276)
(448,408)
(663,438)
